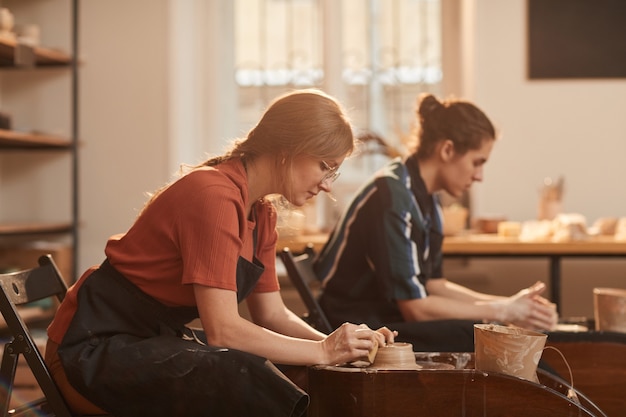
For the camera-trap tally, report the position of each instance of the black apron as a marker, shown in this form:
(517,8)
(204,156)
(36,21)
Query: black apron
(133,356)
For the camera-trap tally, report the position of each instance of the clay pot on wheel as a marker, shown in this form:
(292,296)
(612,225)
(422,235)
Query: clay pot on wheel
(395,356)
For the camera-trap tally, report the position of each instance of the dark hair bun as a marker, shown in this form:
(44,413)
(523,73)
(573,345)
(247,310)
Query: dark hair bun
(428,104)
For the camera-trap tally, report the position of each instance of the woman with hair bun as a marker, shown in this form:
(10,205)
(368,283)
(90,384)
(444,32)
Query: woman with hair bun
(201,245)
(382,264)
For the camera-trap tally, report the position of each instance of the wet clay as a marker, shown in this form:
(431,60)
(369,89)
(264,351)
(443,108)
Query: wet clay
(395,356)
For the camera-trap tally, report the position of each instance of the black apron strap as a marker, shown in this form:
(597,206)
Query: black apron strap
(249,273)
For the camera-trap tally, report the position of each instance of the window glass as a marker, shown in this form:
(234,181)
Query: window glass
(390,53)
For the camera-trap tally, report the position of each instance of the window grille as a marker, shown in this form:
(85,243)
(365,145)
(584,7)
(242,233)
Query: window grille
(390,53)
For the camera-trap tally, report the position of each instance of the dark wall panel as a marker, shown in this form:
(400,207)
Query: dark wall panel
(577,38)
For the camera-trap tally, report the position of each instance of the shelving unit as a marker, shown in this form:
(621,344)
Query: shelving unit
(9,54)
(39,153)
(20,140)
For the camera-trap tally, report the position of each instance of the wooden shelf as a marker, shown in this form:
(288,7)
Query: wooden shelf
(47,56)
(46,76)
(34,228)
(41,56)
(11,139)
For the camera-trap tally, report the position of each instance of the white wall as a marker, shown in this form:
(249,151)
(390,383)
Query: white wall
(123,115)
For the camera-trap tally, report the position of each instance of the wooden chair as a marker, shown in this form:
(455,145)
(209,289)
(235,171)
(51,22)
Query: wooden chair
(300,272)
(17,289)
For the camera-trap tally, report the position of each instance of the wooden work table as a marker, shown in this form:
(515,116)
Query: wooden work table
(493,246)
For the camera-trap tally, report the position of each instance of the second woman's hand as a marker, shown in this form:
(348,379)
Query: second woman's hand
(528,309)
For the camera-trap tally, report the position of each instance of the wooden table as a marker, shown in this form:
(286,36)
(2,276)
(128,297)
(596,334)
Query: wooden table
(491,245)
(480,245)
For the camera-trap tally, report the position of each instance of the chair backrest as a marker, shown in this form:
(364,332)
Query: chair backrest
(300,272)
(17,289)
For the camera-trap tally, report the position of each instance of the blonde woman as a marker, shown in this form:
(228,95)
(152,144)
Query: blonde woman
(202,245)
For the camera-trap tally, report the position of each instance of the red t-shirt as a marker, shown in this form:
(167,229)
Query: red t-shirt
(192,233)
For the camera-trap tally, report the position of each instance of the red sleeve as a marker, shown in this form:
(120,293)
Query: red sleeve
(213,240)
(210,230)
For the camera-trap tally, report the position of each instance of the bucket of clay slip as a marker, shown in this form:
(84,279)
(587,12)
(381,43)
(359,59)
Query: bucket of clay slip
(508,349)
(609,306)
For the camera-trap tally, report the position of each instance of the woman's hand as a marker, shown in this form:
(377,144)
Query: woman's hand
(528,309)
(351,342)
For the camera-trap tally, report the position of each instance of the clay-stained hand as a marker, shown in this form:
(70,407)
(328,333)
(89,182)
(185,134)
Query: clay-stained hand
(351,342)
(389,335)
(528,309)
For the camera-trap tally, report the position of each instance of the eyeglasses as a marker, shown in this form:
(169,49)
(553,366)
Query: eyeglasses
(332,174)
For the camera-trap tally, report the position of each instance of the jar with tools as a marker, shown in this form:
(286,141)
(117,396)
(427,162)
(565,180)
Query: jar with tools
(550,199)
